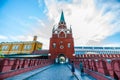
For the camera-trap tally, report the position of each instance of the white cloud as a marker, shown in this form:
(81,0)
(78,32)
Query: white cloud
(90,26)
(40,3)
(3,37)
(21,38)
(112,45)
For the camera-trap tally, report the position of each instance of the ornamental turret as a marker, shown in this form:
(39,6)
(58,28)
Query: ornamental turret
(62,31)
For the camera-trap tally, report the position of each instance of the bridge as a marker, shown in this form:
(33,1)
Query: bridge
(91,63)
(96,66)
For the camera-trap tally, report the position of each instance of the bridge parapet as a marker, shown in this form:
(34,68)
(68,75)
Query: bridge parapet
(6,65)
(105,65)
(11,67)
(97,56)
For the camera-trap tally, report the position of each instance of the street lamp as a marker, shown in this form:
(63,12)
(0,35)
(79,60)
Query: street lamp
(73,54)
(49,54)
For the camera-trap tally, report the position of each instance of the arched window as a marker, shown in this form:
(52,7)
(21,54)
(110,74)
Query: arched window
(62,35)
(54,45)
(69,45)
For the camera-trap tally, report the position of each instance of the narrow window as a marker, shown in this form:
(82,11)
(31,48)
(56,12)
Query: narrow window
(54,45)
(69,45)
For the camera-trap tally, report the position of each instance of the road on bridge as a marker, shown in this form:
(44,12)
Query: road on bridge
(55,72)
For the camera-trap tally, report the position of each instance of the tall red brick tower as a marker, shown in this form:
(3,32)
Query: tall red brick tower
(61,42)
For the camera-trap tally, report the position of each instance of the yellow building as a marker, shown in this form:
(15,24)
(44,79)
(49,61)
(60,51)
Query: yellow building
(20,47)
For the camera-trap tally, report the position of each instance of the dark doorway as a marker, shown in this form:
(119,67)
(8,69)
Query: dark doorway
(61,58)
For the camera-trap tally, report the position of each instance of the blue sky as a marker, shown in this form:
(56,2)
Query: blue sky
(94,22)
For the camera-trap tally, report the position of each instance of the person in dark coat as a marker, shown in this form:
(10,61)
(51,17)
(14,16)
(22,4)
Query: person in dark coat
(72,68)
(81,68)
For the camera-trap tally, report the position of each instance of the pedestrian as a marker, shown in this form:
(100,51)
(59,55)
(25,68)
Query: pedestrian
(72,68)
(81,68)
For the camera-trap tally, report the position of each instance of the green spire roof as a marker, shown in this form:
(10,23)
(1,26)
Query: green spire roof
(62,17)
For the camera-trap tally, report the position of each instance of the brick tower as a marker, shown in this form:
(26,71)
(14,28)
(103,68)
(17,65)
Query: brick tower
(61,42)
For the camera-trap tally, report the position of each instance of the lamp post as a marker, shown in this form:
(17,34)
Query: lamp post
(73,54)
(49,55)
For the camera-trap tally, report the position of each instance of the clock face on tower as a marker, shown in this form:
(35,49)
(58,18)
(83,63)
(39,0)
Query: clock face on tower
(61,46)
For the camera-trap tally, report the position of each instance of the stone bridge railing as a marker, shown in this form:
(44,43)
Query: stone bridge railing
(11,67)
(97,56)
(100,66)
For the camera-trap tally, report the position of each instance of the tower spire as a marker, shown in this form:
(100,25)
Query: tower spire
(62,24)
(62,17)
